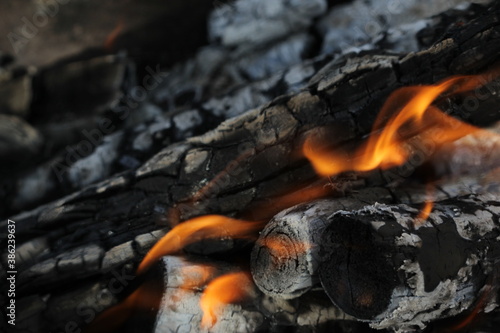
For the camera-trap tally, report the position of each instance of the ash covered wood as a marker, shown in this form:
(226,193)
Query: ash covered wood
(382,264)
(75,246)
(180,307)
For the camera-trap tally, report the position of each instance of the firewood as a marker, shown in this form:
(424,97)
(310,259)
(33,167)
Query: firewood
(284,259)
(142,137)
(254,312)
(207,174)
(383,264)
(476,153)
(210,78)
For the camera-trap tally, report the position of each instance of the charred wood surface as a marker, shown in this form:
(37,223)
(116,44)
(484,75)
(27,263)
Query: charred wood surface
(73,246)
(382,263)
(255,312)
(219,82)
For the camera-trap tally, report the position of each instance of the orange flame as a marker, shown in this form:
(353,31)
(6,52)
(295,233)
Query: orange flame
(266,210)
(223,290)
(466,322)
(210,226)
(282,249)
(426,211)
(389,147)
(144,297)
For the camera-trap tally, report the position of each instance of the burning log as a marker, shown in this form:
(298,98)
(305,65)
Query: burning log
(245,161)
(253,312)
(145,132)
(284,259)
(383,263)
(209,74)
(183,280)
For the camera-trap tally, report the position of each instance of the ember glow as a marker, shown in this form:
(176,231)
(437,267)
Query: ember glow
(407,117)
(395,128)
(226,289)
(282,249)
(196,276)
(204,227)
(266,210)
(466,322)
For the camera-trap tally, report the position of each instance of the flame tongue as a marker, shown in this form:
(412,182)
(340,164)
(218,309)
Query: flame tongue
(211,226)
(223,290)
(388,147)
(406,120)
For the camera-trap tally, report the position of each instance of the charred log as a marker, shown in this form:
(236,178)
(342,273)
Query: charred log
(255,312)
(112,220)
(384,265)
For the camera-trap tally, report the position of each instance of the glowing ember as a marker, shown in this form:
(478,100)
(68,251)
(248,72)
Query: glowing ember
(408,116)
(390,146)
(209,226)
(223,290)
(282,249)
(196,276)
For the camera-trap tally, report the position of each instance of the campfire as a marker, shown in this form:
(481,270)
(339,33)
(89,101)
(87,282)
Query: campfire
(311,166)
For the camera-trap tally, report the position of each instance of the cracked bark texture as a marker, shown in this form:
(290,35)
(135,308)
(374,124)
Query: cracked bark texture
(285,258)
(218,83)
(384,265)
(73,247)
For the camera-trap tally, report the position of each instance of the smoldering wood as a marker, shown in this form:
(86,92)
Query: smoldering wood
(237,80)
(218,68)
(116,212)
(382,264)
(349,27)
(145,132)
(303,244)
(285,258)
(255,312)
(68,104)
